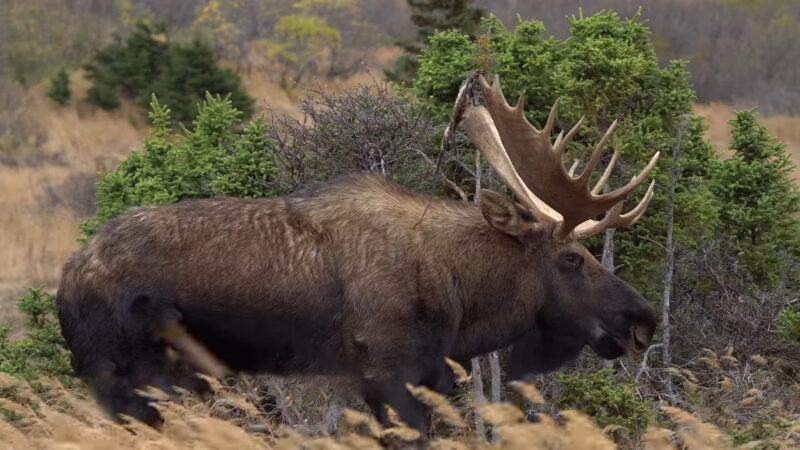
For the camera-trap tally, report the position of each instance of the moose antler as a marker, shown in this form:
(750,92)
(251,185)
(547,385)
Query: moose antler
(533,168)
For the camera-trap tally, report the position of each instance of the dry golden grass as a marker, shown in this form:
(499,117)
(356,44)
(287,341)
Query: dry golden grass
(48,416)
(269,94)
(37,240)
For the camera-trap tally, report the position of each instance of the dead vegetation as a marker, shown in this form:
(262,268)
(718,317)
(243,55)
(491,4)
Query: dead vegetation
(43,414)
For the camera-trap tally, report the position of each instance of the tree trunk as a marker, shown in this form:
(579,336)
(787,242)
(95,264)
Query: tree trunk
(608,260)
(665,324)
(477,396)
(608,250)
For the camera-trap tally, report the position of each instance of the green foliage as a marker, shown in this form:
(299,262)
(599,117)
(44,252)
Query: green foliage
(607,400)
(606,70)
(42,351)
(128,65)
(145,62)
(789,324)
(59,87)
(299,43)
(212,158)
(431,16)
(37,37)
(759,200)
(191,70)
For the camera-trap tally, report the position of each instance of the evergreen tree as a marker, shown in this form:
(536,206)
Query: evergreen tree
(189,72)
(145,62)
(128,65)
(759,200)
(59,87)
(431,16)
(210,159)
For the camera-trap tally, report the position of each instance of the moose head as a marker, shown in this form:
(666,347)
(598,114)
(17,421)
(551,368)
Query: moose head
(584,303)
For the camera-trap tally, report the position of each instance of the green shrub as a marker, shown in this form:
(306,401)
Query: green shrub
(42,350)
(59,87)
(190,70)
(213,158)
(789,324)
(145,62)
(103,94)
(608,400)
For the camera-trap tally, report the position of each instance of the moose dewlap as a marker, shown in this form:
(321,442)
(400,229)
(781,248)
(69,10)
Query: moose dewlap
(359,277)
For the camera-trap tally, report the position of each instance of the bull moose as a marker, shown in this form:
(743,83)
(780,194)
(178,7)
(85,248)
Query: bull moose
(361,278)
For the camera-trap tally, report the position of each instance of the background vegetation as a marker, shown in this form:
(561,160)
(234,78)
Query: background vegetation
(78,78)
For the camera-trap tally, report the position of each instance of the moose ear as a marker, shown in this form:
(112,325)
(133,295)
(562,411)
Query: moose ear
(505,215)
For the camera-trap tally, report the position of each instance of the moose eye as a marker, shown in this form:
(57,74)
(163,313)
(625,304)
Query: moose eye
(571,260)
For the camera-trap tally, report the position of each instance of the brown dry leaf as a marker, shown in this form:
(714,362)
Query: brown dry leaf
(528,391)
(403,434)
(501,413)
(728,352)
(758,359)
(438,403)
(712,363)
(691,386)
(356,441)
(658,439)
(458,369)
(755,392)
(694,433)
(450,444)
(394,418)
(691,376)
(362,422)
(727,383)
(708,352)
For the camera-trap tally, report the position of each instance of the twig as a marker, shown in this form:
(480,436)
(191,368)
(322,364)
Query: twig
(643,366)
(460,106)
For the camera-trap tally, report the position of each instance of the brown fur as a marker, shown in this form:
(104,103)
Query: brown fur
(339,278)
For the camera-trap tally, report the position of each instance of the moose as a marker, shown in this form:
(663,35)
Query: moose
(361,278)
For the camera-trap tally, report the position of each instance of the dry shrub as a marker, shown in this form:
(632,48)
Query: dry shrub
(366,129)
(76,193)
(20,134)
(747,396)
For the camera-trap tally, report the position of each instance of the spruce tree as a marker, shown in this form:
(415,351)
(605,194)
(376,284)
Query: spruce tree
(431,16)
(759,201)
(59,87)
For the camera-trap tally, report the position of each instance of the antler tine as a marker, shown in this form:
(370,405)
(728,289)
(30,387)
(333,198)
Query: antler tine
(519,109)
(558,139)
(571,171)
(614,219)
(606,174)
(621,193)
(561,145)
(596,155)
(551,119)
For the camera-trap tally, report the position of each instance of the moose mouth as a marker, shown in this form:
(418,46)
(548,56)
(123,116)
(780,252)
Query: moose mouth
(613,345)
(639,341)
(635,343)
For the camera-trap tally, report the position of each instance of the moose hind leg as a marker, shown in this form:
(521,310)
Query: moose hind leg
(117,349)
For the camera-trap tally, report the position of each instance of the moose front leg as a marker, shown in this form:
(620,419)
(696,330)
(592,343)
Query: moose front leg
(384,381)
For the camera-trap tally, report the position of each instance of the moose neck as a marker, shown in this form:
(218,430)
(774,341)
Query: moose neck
(484,268)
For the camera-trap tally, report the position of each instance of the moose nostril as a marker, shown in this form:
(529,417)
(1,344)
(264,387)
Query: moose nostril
(640,338)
